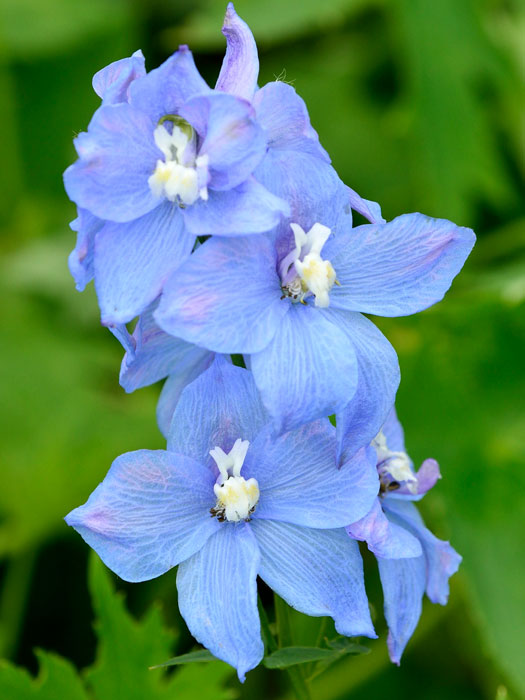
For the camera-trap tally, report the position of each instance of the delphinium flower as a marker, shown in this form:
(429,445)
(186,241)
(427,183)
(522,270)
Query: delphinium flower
(227,502)
(411,559)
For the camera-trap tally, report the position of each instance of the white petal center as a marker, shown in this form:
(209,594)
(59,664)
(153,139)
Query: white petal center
(236,496)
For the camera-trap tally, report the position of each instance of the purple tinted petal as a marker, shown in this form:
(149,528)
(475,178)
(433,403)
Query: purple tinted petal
(378,378)
(403,582)
(218,597)
(80,259)
(284,117)
(370,210)
(427,476)
(112,82)
(248,208)
(226,297)
(397,268)
(165,89)
(233,410)
(318,572)
(308,370)
(384,538)
(154,355)
(442,560)
(116,157)
(132,261)
(150,512)
(299,482)
(240,66)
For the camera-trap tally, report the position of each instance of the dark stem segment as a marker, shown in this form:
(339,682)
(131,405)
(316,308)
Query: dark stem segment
(285,639)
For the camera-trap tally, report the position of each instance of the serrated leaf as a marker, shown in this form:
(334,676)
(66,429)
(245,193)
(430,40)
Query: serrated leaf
(200,656)
(57,678)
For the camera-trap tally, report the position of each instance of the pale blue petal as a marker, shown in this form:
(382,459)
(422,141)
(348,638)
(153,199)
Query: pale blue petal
(398,268)
(378,379)
(318,572)
(248,208)
(132,261)
(284,117)
(370,210)
(226,297)
(403,582)
(171,391)
(112,82)
(165,89)
(216,409)
(383,537)
(153,355)
(218,597)
(309,370)
(240,66)
(150,513)
(442,560)
(299,482)
(80,259)
(116,157)
(393,432)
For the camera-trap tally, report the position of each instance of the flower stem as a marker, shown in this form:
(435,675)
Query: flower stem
(285,639)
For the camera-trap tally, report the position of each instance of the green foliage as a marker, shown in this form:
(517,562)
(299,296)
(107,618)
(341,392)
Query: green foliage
(290,656)
(57,679)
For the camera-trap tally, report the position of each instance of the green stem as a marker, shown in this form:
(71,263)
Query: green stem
(285,639)
(13,600)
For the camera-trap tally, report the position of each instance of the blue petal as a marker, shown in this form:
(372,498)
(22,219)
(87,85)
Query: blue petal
(116,157)
(232,409)
(112,82)
(226,297)
(318,572)
(154,355)
(284,117)
(309,370)
(165,89)
(80,259)
(218,597)
(378,379)
(299,482)
(403,582)
(248,208)
(240,66)
(384,538)
(393,432)
(398,268)
(442,560)
(370,210)
(132,261)
(150,513)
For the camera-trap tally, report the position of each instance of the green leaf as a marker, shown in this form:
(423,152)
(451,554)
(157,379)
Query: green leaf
(57,678)
(200,656)
(290,656)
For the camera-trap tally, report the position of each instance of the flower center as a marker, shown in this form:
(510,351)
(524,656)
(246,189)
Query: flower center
(393,467)
(182,176)
(303,270)
(236,496)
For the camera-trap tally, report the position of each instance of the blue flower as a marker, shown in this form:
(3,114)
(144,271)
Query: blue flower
(293,304)
(411,559)
(227,502)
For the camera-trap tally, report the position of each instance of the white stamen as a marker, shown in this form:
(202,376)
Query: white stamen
(236,496)
(180,176)
(396,464)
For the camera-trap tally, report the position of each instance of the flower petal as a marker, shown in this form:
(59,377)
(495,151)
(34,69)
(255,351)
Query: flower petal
(233,410)
(116,157)
(397,268)
(132,261)
(165,89)
(403,582)
(299,482)
(248,208)
(284,117)
(226,297)
(150,512)
(218,597)
(80,259)
(112,82)
(383,537)
(378,379)
(318,572)
(442,560)
(370,210)
(309,369)
(240,66)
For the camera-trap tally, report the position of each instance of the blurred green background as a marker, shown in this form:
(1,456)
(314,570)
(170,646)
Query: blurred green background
(421,105)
